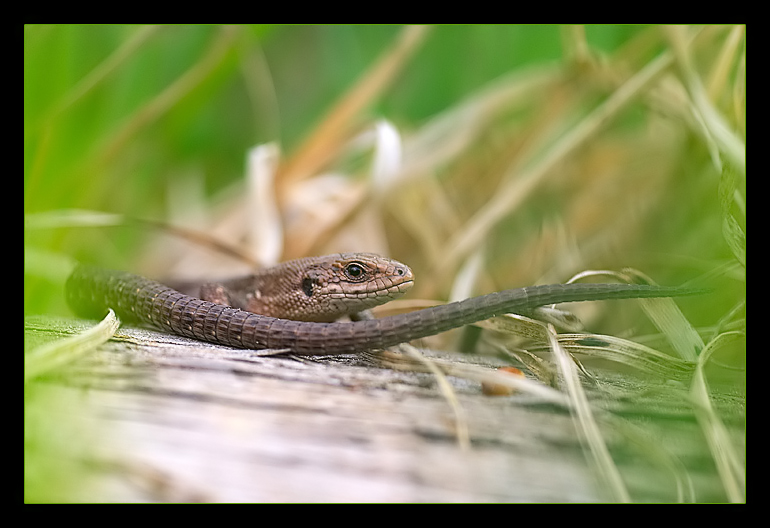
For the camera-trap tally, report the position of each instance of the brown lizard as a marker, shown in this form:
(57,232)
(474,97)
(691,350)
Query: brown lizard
(315,289)
(319,289)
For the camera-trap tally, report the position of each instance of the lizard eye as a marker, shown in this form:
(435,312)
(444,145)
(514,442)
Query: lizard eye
(354,271)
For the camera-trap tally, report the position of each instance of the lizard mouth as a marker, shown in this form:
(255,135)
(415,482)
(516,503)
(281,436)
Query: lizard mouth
(403,286)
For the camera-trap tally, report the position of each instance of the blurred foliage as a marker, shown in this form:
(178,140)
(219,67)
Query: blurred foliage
(524,154)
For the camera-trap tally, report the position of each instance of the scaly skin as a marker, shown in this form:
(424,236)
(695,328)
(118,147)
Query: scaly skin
(320,289)
(90,291)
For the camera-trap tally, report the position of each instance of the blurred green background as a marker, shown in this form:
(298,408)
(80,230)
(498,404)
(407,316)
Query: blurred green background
(127,119)
(77,108)
(111,111)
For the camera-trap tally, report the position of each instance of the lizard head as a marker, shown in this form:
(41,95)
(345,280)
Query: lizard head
(343,284)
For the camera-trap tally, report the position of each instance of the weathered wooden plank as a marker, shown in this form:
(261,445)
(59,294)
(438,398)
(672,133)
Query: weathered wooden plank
(188,421)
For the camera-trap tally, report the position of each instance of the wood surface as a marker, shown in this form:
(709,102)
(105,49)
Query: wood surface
(184,421)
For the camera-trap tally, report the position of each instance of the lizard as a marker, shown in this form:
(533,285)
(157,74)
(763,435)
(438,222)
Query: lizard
(318,289)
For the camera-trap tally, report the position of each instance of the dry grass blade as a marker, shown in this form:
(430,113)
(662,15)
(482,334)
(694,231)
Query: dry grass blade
(585,422)
(663,312)
(476,373)
(264,227)
(628,353)
(67,218)
(669,319)
(595,346)
(324,144)
(717,133)
(719,80)
(521,186)
(334,210)
(72,218)
(461,423)
(729,464)
(583,415)
(58,353)
(450,134)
